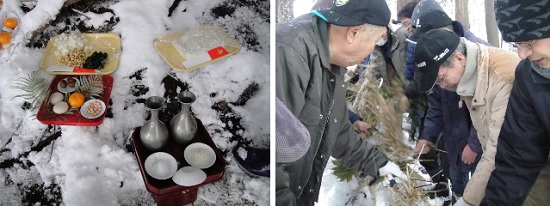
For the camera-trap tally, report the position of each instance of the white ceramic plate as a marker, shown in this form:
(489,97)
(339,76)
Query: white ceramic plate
(189,176)
(161,165)
(86,104)
(67,89)
(199,155)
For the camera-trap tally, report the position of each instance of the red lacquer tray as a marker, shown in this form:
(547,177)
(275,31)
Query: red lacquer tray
(165,188)
(47,116)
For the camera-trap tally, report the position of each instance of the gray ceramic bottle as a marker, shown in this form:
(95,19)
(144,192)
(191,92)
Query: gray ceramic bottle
(184,126)
(154,133)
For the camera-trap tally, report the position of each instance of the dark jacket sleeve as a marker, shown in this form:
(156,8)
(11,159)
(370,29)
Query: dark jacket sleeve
(292,75)
(357,153)
(522,147)
(353,116)
(409,73)
(433,121)
(284,196)
(411,91)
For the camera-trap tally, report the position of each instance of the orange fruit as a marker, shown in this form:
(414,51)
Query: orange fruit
(5,38)
(10,23)
(76,100)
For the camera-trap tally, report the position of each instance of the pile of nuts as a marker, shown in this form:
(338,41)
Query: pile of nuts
(74,58)
(94,108)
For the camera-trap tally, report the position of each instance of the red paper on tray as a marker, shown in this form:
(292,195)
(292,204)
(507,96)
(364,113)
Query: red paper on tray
(210,55)
(47,116)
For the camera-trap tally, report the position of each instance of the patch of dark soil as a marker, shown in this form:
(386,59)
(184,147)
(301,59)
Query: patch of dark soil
(247,37)
(228,8)
(50,134)
(109,112)
(38,194)
(173,7)
(247,94)
(138,89)
(74,21)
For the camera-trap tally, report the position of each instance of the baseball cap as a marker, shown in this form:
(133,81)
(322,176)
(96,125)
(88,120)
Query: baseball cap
(353,12)
(431,20)
(423,7)
(432,49)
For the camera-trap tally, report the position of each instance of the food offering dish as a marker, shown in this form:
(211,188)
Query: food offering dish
(189,176)
(168,191)
(92,109)
(75,54)
(199,155)
(69,107)
(67,85)
(196,47)
(161,165)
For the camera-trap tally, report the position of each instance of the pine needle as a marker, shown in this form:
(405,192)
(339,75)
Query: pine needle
(35,89)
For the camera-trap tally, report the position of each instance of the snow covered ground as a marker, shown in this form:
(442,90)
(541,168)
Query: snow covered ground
(76,165)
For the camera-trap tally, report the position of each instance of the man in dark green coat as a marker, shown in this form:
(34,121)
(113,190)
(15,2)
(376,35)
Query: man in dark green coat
(312,52)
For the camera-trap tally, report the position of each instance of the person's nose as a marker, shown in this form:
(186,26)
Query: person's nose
(523,53)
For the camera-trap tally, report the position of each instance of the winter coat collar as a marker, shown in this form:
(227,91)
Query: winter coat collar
(320,30)
(467,84)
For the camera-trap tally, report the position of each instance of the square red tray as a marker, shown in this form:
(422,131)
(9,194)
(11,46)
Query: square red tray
(76,119)
(166,192)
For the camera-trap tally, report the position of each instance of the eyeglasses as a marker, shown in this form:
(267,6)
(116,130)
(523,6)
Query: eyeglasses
(441,81)
(523,44)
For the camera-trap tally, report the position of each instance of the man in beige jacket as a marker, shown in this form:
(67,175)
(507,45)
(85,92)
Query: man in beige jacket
(483,77)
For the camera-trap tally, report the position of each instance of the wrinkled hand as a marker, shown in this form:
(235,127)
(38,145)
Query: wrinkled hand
(468,156)
(419,146)
(362,126)
(391,169)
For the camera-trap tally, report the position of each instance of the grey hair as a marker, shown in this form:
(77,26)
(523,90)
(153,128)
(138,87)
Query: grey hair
(370,30)
(461,48)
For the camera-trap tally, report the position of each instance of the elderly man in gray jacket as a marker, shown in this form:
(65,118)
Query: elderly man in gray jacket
(312,52)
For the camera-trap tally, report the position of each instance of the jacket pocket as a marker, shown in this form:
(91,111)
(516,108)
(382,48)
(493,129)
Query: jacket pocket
(310,115)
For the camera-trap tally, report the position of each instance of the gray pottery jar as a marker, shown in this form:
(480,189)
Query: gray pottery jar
(183,126)
(154,134)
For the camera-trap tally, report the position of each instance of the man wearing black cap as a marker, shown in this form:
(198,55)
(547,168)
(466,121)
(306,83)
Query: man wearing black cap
(483,77)
(312,52)
(522,170)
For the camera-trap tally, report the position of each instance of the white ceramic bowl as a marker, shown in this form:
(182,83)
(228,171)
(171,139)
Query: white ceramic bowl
(199,155)
(86,104)
(161,165)
(189,176)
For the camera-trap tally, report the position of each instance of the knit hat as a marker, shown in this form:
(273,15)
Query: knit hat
(353,12)
(291,136)
(432,49)
(423,7)
(431,20)
(523,20)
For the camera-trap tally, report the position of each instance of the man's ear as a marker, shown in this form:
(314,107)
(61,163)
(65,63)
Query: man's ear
(461,58)
(353,33)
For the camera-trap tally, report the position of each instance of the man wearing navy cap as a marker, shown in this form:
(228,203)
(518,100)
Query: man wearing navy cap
(522,168)
(312,52)
(483,77)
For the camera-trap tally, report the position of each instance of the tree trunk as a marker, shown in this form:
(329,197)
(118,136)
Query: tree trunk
(461,10)
(285,10)
(491,24)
